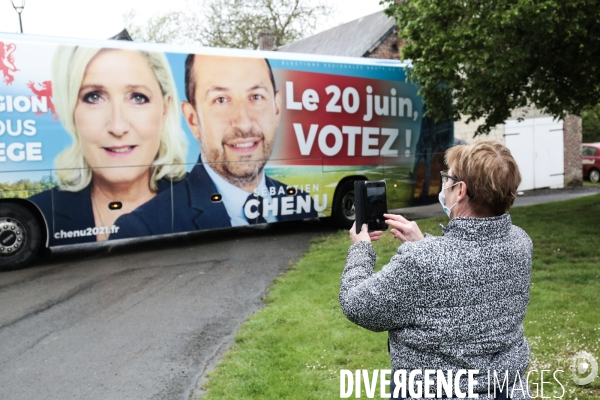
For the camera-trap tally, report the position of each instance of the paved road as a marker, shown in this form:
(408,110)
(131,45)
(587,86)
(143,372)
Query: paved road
(143,323)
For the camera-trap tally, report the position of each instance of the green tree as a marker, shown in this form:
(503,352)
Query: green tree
(484,58)
(591,125)
(231,23)
(237,23)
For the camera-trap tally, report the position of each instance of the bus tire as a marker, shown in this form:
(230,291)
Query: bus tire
(343,205)
(20,236)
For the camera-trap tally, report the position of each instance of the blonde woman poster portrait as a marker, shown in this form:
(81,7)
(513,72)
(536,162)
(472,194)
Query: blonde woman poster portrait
(121,109)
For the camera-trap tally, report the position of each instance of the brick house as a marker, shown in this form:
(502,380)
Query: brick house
(548,152)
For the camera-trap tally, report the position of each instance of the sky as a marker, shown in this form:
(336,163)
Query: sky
(102,19)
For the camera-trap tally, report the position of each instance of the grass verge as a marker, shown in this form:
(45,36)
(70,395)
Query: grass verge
(295,347)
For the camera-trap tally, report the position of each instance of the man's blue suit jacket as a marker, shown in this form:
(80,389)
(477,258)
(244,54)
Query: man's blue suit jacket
(192,209)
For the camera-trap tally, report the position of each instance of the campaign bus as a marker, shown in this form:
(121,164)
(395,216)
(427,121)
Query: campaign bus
(110,140)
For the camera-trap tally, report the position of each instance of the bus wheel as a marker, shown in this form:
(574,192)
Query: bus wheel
(20,237)
(343,205)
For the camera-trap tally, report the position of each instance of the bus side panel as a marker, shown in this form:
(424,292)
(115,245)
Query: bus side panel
(255,140)
(363,123)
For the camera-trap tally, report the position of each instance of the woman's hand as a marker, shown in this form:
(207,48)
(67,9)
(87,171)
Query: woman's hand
(364,235)
(403,229)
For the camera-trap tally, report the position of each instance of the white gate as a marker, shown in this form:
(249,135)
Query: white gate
(537,146)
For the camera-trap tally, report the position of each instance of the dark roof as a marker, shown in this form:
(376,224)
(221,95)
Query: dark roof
(356,38)
(123,35)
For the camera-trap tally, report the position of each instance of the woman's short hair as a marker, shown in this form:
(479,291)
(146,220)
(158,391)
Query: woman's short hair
(490,172)
(68,69)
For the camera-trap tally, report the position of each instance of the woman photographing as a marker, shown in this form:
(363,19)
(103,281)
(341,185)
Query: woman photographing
(454,302)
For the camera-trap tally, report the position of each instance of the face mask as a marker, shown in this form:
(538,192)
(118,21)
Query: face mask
(442,198)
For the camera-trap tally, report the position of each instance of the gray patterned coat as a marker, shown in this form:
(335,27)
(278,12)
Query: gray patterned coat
(452,302)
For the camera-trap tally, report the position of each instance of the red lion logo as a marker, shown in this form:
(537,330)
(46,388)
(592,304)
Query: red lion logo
(7,62)
(45,91)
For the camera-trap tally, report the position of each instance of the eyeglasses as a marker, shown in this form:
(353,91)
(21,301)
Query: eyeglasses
(445,177)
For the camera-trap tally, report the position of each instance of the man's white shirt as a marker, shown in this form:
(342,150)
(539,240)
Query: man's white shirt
(234,198)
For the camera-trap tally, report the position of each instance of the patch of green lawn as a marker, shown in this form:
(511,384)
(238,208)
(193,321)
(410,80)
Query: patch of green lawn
(295,347)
